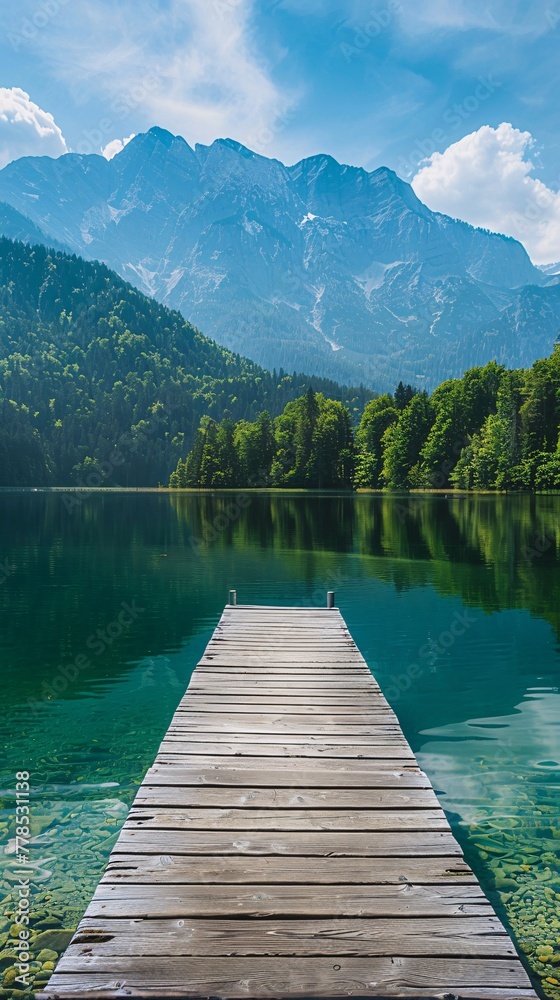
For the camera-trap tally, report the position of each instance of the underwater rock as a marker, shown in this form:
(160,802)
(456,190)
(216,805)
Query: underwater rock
(49,923)
(10,976)
(47,955)
(57,940)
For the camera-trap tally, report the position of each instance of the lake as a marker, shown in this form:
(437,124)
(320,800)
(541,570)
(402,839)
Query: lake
(107,603)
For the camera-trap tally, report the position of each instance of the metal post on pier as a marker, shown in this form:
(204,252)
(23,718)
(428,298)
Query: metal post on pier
(330,599)
(232,598)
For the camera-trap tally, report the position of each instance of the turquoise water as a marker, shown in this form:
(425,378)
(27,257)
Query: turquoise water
(454,603)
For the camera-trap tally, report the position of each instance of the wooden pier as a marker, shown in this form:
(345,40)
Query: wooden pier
(286,844)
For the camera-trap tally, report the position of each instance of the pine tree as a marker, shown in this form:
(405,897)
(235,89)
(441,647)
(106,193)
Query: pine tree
(403,395)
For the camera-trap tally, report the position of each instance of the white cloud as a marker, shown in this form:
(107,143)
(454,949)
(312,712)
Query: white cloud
(115,146)
(485,179)
(193,68)
(25,129)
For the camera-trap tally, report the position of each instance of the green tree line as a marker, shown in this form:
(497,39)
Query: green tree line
(311,444)
(491,429)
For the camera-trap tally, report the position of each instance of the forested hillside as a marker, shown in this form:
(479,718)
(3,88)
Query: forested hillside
(491,429)
(100,384)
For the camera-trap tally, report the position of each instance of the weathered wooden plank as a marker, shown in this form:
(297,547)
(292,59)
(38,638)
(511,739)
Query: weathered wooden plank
(282,617)
(315,728)
(176,869)
(317,662)
(376,738)
(314,699)
(296,721)
(325,844)
(316,976)
(441,936)
(278,773)
(268,643)
(296,681)
(204,686)
(224,729)
(278,642)
(277,706)
(178,745)
(134,901)
(345,682)
(420,795)
(376,712)
(277,646)
(304,618)
(103,987)
(326,736)
(291,631)
(251,666)
(237,686)
(270,706)
(295,685)
(277,661)
(286,819)
(281,719)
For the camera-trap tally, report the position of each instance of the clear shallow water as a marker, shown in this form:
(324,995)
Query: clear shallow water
(454,603)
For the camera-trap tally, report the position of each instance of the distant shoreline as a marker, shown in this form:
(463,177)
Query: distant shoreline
(276,491)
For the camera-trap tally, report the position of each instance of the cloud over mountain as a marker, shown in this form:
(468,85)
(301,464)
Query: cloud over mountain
(115,146)
(485,179)
(25,129)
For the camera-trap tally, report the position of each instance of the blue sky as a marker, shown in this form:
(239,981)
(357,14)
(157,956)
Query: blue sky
(380,82)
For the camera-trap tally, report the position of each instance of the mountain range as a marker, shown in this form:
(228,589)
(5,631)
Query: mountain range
(319,267)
